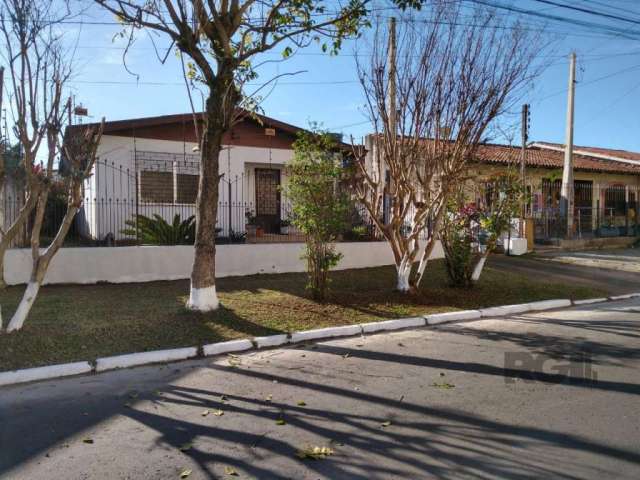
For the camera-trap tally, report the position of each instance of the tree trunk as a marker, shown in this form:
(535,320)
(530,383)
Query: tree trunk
(40,262)
(404,272)
(202,296)
(477,271)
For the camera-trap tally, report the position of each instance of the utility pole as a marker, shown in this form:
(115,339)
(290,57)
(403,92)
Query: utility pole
(567,193)
(523,160)
(392,105)
(2,147)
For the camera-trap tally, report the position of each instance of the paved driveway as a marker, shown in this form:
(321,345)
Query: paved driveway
(616,271)
(431,403)
(627,260)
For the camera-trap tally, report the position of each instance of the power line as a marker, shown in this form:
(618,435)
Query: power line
(588,11)
(615,31)
(122,82)
(595,80)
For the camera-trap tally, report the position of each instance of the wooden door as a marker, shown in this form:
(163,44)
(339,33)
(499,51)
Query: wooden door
(268,199)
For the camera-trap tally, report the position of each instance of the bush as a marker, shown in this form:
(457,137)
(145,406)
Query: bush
(157,231)
(470,231)
(319,209)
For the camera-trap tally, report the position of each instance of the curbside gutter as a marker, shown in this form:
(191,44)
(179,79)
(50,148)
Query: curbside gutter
(161,356)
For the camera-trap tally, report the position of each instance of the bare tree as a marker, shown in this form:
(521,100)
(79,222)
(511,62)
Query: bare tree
(451,79)
(38,69)
(221,39)
(78,156)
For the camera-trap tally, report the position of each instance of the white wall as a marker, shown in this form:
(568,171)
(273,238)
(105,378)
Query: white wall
(106,191)
(143,264)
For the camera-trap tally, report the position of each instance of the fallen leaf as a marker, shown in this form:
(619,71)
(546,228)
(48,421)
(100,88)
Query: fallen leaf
(205,413)
(269,398)
(314,453)
(301,403)
(186,446)
(386,424)
(223,398)
(185,473)
(280,421)
(346,355)
(442,374)
(400,344)
(218,413)
(231,471)
(444,385)
(87,440)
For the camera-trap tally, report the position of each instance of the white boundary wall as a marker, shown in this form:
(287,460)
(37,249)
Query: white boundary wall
(145,264)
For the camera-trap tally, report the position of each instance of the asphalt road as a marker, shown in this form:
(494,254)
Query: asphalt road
(616,271)
(430,403)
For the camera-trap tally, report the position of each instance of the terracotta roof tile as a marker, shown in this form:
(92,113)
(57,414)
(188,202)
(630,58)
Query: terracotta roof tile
(610,152)
(540,157)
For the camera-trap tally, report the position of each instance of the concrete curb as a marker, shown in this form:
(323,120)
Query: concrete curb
(447,317)
(44,373)
(331,332)
(412,322)
(161,356)
(550,304)
(624,297)
(590,301)
(144,358)
(505,310)
(271,341)
(226,347)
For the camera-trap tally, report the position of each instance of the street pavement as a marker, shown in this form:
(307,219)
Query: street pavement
(552,395)
(615,271)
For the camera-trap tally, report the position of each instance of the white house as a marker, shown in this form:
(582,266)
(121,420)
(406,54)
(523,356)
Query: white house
(150,166)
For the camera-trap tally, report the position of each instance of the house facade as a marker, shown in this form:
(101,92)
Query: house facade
(606,186)
(606,189)
(150,166)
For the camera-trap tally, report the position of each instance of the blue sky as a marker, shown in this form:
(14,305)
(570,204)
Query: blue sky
(328,92)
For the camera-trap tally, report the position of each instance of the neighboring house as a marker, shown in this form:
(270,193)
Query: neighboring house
(150,166)
(606,188)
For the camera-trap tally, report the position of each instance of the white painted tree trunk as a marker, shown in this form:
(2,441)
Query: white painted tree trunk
(203,299)
(477,271)
(404,272)
(26,303)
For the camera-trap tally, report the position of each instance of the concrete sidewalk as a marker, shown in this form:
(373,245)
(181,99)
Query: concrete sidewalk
(430,403)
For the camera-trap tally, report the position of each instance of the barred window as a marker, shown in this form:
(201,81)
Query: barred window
(187,188)
(156,187)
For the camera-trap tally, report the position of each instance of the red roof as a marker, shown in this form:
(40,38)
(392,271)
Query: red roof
(545,158)
(609,152)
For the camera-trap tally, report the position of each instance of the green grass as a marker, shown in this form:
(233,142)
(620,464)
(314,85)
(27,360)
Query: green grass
(83,322)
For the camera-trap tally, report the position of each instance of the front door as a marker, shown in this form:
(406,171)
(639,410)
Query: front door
(268,199)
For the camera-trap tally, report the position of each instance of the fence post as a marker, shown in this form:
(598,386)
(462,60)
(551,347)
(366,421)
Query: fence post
(230,209)
(626,214)
(598,215)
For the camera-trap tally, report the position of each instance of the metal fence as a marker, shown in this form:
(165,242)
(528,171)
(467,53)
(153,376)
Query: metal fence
(129,206)
(599,210)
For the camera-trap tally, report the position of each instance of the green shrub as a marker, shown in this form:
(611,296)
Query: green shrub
(157,231)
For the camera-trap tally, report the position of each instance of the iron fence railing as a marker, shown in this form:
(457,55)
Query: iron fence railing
(599,210)
(161,188)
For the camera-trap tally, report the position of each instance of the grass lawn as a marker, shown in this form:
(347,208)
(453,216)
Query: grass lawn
(84,322)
